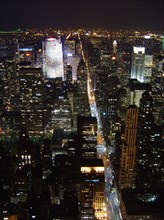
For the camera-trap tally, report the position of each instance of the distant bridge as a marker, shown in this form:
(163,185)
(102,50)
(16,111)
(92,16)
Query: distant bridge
(12,32)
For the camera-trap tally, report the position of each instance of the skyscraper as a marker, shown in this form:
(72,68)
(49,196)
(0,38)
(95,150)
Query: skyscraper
(137,66)
(148,68)
(128,154)
(53,58)
(149,154)
(81,103)
(92,170)
(87,129)
(31,98)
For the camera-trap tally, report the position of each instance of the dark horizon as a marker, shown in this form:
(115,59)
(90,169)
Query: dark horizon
(110,15)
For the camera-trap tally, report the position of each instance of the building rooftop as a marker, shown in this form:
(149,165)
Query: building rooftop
(139,202)
(134,84)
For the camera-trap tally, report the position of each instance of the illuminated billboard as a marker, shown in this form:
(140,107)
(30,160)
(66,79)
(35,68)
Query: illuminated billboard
(53,58)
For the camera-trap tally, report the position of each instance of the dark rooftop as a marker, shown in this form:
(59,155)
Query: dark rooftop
(139,202)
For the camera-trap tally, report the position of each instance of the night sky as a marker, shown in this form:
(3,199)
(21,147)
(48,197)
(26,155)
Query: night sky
(118,14)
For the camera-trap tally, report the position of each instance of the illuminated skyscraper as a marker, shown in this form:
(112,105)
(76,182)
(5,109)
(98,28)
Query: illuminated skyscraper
(138,61)
(92,170)
(114,46)
(31,99)
(128,154)
(53,58)
(61,115)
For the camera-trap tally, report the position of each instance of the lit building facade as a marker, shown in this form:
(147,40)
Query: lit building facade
(128,155)
(149,145)
(138,61)
(92,191)
(61,115)
(87,129)
(31,99)
(26,54)
(53,58)
(148,68)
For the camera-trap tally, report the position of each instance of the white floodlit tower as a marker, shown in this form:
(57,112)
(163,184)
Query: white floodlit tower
(138,62)
(53,58)
(114,46)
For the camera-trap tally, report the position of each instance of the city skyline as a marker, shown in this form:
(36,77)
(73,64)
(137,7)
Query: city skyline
(81,146)
(63,14)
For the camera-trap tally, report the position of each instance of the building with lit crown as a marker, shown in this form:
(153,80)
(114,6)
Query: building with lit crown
(53,65)
(137,65)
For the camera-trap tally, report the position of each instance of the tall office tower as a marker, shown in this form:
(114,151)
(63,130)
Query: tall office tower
(61,116)
(53,58)
(69,74)
(127,173)
(109,113)
(53,91)
(156,160)
(31,99)
(149,144)
(46,154)
(137,65)
(92,197)
(10,119)
(73,60)
(81,102)
(115,127)
(112,106)
(3,85)
(71,57)
(145,132)
(92,170)
(158,106)
(148,68)
(101,87)
(87,130)
(48,101)
(28,158)
(8,83)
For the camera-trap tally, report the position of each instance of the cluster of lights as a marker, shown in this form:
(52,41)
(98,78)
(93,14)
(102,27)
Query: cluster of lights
(92,169)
